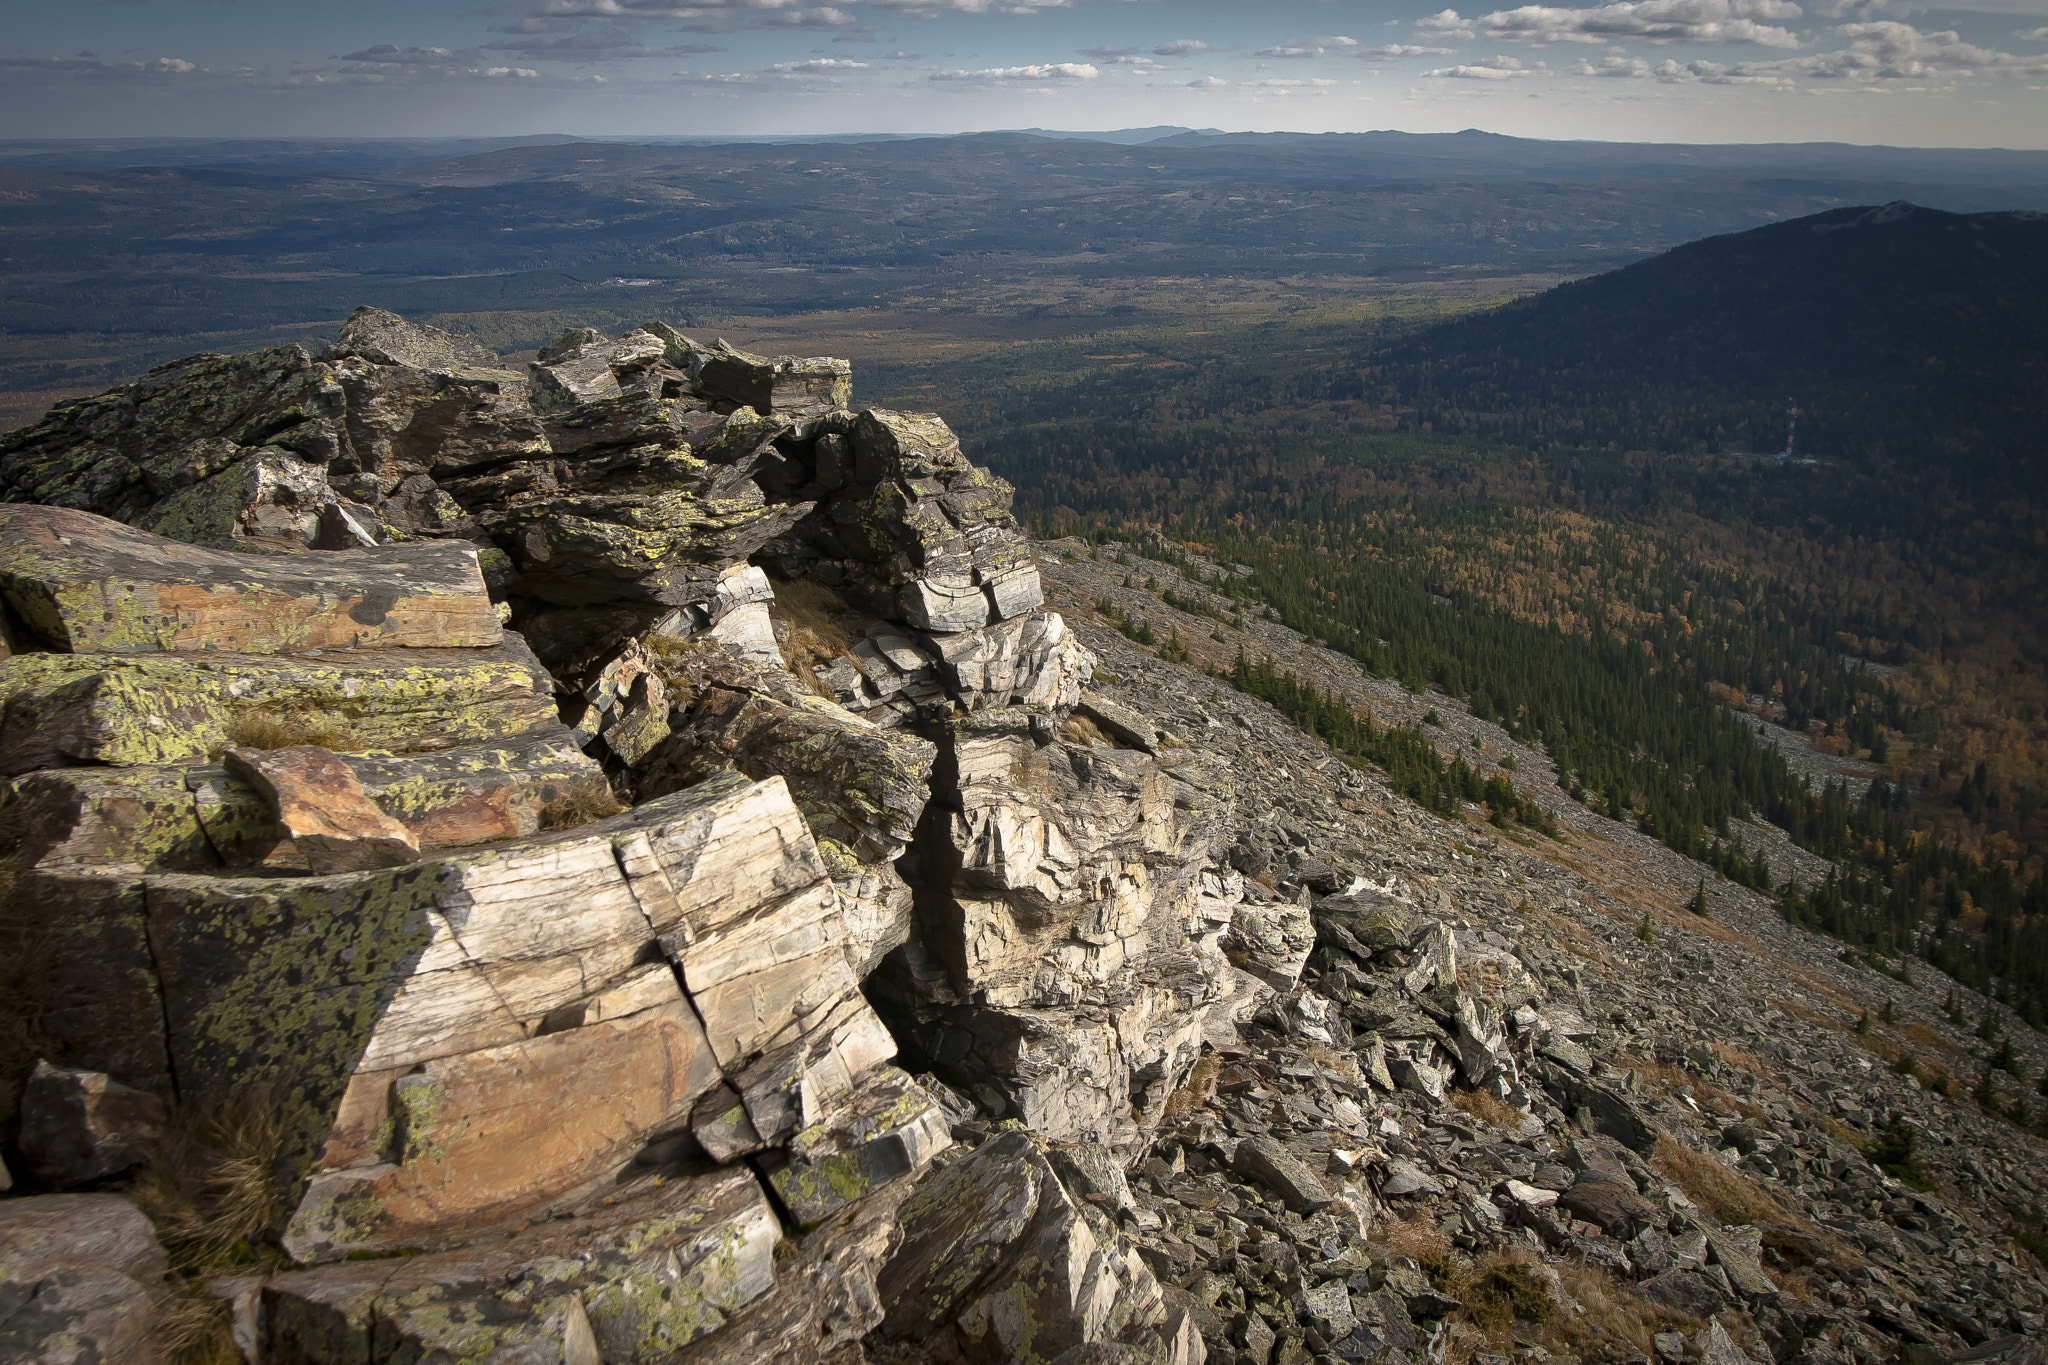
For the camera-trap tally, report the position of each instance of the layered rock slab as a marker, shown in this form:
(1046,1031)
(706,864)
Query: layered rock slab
(59,710)
(86,584)
(645,1278)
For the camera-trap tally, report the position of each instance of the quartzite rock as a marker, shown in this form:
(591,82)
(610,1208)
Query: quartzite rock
(321,806)
(998,1260)
(78,1126)
(81,1279)
(1279,1170)
(84,585)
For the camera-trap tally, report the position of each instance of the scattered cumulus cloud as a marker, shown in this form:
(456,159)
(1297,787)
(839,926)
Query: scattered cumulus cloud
(1208,83)
(1489,69)
(1308,48)
(1181,47)
(389,54)
(1023,75)
(1393,51)
(1612,66)
(2034,35)
(1884,50)
(1698,22)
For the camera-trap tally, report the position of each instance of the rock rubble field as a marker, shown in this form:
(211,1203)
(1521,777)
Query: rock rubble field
(633,858)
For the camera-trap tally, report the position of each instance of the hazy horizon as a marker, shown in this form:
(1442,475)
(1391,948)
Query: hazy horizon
(1873,72)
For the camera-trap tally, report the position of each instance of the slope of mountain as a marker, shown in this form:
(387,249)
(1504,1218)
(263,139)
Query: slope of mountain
(1909,337)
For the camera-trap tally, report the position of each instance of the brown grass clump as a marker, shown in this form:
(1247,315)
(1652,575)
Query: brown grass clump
(1498,1291)
(1198,1089)
(1729,1195)
(211,1191)
(1705,1093)
(812,612)
(269,727)
(1610,1310)
(1488,1110)
(582,801)
(1078,729)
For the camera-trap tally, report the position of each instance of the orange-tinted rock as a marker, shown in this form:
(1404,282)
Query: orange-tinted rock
(86,585)
(322,808)
(79,1125)
(493,1134)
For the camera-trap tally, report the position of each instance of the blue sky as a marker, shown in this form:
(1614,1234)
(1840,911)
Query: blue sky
(1634,70)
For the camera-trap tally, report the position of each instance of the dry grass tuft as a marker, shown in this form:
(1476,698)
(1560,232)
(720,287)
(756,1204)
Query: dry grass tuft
(812,612)
(1488,1110)
(586,799)
(211,1190)
(1609,1310)
(269,727)
(1729,1195)
(1198,1089)
(1081,730)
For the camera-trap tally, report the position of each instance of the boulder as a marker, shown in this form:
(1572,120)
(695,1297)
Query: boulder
(997,1261)
(322,807)
(84,584)
(173,818)
(1280,1171)
(79,1126)
(389,339)
(1272,941)
(81,1278)
(887,1129)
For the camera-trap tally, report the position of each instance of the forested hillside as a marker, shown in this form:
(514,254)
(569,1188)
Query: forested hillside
(1538,510)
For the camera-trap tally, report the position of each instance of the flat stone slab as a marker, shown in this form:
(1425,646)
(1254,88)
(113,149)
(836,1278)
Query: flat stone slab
(648,1276)
(61,710)
(174,818)
(85,584)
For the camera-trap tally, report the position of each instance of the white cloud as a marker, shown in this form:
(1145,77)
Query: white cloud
(1023,75)
(1885,50)
(931,9)
(1394,50)
(825,16)
(1181,47)
(1208,83)
(587,47)
(388,54)
(1712,22)
(1612,65)
(549,15)
(1307,48)
(817,66)
(1446,24)
(1489,69)
(515,72)
(2034,35)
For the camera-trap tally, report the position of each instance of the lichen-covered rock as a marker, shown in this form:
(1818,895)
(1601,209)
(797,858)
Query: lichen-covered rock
(84,584)
(57,710)
(78,1126)
(885,1130)
(999,1263)
(668,1264)
(81,1279)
